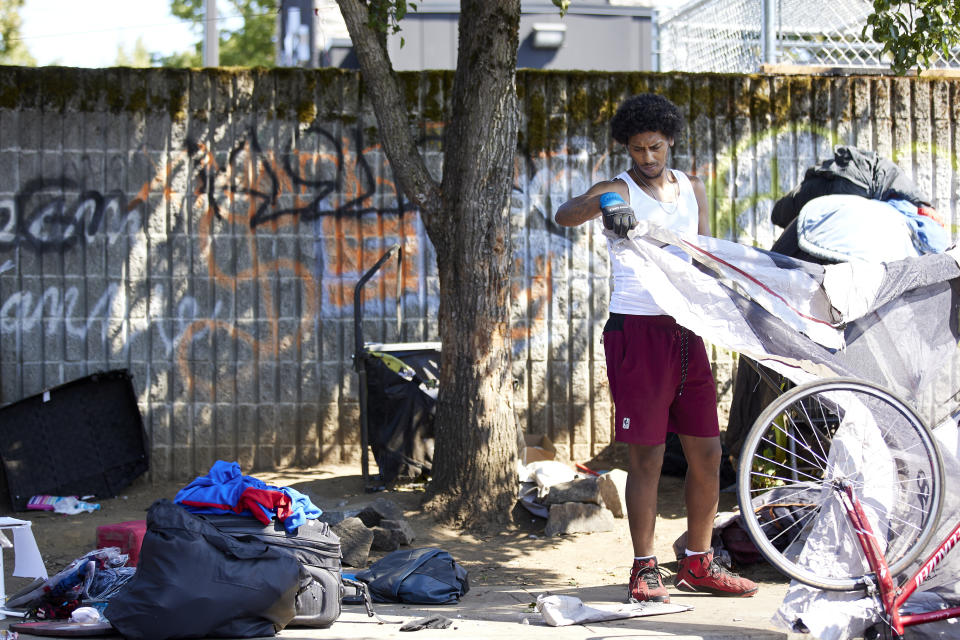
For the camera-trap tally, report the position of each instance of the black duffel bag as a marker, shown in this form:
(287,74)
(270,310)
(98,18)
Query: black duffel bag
(194,581)
(416,576)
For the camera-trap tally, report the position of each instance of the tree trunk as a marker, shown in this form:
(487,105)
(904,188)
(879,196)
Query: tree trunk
(474,477)
(467,219)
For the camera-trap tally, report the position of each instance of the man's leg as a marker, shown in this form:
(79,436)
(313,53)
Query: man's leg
(701,488)
(699,572)
(643,479)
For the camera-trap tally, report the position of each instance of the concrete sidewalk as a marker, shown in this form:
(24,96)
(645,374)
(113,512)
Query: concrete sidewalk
(506,612)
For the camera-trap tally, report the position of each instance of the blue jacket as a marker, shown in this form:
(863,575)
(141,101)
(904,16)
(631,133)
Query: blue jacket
(226,490)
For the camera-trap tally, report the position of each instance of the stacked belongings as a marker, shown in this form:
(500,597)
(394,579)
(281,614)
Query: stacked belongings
(854,206)
(893,324)
(230,557)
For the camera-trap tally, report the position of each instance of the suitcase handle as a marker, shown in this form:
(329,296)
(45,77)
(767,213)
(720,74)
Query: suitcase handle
(361,592)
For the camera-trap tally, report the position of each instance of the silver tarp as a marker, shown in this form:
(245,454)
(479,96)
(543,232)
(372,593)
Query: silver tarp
(894,324)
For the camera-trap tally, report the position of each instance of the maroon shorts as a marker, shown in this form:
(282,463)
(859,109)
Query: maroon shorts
(660,380)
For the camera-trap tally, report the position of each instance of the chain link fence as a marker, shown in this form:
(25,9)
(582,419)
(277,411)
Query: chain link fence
(727,36)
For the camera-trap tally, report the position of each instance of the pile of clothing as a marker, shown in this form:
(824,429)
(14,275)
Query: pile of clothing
(229,556)
(226,490)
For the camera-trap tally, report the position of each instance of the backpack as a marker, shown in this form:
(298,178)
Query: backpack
(416,576)
(782,522)
(738,544)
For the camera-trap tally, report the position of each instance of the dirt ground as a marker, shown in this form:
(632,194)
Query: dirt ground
(518,555)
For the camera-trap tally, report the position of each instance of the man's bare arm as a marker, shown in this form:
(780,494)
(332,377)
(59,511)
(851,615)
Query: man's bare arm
(700,191)
(586,207)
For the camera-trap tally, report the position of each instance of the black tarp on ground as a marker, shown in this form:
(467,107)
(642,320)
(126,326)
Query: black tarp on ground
(84,437)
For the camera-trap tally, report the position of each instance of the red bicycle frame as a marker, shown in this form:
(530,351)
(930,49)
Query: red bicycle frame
(893,597)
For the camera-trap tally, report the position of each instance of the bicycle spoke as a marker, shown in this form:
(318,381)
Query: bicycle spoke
(823,418)
(789,471)
(800,495)
(796,434)
(784,467)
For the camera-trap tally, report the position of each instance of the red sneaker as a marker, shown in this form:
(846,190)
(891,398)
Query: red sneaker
(701,573)
(646,583)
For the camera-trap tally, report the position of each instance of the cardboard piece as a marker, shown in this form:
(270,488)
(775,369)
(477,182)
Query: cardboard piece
(537,447)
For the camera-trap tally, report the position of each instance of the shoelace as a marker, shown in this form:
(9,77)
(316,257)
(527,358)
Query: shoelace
(650,576)
(716,568)
(653,575)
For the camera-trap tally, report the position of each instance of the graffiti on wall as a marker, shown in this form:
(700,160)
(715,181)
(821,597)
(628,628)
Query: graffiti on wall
(247,211)
(335,187)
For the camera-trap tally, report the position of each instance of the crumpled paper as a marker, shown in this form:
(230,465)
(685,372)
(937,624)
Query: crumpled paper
(560,611)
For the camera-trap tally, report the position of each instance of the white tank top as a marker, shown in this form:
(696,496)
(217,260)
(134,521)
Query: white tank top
(629,296)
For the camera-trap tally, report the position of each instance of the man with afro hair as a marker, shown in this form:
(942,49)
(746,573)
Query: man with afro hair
(659,372)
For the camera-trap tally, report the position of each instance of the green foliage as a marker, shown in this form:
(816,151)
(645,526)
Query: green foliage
(138,57)
(563,5)
(250,45)
(12,48)
(914,32)
(385,15)
(765,472)
(253,44)
(184,59)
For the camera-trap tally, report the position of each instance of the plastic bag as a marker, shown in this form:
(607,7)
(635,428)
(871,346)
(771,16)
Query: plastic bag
(60,594)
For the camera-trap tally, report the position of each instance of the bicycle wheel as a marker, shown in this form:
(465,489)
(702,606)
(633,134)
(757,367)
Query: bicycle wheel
(805,447)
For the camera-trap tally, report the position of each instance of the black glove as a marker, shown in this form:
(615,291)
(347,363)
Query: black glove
(617,214)
(430,622)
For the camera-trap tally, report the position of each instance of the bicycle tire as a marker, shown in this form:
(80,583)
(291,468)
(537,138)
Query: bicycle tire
(790,460)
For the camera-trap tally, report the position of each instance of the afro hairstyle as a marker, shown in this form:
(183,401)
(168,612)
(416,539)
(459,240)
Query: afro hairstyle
(645,112)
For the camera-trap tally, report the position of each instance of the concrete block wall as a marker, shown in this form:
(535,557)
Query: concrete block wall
(206,229)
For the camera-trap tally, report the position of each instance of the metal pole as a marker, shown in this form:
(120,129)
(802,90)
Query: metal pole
(211,35)
(655,44)
(360,364)
(770,31)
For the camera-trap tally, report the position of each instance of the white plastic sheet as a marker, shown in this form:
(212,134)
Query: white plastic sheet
(560,611)
(888,323)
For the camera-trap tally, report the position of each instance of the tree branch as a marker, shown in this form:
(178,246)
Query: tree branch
(387,99)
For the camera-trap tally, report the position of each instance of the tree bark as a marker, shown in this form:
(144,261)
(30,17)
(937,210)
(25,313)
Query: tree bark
(476,433)
(467,219)
(390,107)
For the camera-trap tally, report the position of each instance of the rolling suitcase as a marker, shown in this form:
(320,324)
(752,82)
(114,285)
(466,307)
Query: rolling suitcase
(318,550)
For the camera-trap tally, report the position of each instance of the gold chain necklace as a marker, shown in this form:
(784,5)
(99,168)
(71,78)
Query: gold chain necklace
(649,189)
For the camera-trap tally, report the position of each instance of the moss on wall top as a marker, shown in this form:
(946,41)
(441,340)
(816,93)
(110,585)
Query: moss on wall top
(553,103)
